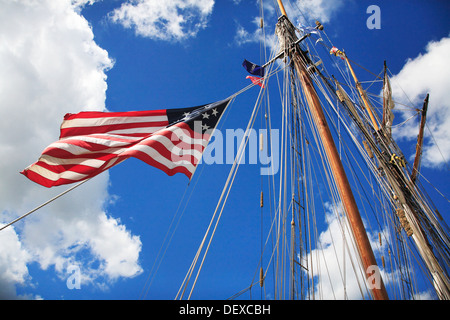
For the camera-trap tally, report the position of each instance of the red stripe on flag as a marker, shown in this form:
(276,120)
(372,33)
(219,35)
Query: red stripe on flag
(158,154)
(80,131)
(99,114)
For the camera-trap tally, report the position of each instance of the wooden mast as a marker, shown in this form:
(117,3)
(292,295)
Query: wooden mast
(362,241)
(415,170)
(280,4)
(362,94)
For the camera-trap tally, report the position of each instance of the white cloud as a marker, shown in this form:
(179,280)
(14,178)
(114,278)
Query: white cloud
(426,295)
(164,20)
(296,11)
(337,277)
(13,264)
(322,10)
(243,36)
(50,66)
(427,73)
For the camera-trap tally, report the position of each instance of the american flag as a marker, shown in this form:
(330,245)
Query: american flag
(172,140)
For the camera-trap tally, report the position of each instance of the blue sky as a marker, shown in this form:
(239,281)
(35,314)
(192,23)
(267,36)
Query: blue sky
(87,55)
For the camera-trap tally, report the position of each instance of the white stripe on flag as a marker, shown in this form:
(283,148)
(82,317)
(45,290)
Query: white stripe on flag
(105,121)
(94,163)
(155,155)
(49,175)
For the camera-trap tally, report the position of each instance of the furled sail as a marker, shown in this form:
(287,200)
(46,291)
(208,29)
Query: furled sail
(388,106)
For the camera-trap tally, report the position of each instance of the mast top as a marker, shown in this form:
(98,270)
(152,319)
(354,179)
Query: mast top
(283,11)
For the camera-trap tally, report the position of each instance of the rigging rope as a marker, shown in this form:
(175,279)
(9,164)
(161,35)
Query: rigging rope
(44,204)
(220,205)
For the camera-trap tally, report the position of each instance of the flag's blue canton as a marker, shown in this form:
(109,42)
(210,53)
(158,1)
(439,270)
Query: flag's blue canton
(207,115)
(253,68)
